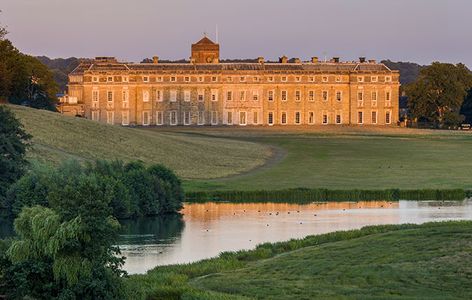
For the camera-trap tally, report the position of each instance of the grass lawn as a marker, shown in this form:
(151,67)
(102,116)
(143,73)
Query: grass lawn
(429,261)
(57,138)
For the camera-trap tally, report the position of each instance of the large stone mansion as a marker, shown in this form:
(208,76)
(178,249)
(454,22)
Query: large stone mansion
(205,91)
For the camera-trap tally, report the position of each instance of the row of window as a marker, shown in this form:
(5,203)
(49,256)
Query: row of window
(242,96)
(236,119)
(244,79)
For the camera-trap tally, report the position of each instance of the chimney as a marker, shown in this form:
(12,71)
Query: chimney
(155,59)
(283,59)
(314,60)
(335,59)
(297,60)
(372,61)
(362,59)
(260,59)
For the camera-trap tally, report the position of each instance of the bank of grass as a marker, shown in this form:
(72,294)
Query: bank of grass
(57,138)
(303,195)
(429,261)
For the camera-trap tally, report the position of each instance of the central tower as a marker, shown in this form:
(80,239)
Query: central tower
(205,51)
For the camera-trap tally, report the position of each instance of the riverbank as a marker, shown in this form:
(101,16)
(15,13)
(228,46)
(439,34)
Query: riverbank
(427,261)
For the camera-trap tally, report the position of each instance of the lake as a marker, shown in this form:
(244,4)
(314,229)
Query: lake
(205,230)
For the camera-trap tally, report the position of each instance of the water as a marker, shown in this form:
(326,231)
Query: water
(205,230)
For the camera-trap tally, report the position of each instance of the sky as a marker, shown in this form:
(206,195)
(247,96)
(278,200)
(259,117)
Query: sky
(419,31)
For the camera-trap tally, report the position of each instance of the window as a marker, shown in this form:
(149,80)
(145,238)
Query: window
(360,117)
(229,79)
(325,118)
(173,118)
(242,95)
(283,119)
(270,78)
(173,95)
(109,99)
(270,118)
(388,117)
(159,118)
(214,79)
(201,118)
(159,79)
(242,118)
(173,79)
(360,98)
(311,95)
(255,78)
(187,120)
(311,118)
(159,95)
(255,95)
(146,118)
(374,79)
(338,118)
(145,96)
(229,95)
(360,78)
(201,95)
(374,99)
(110,117)
(298,118)
(95,115)
(214,118)
(125,118)
(95,98)
(284,95)
(298,95)
(187,79)
(284,79)
(338,78)
(200,79)
(242,79)
(229,118)
(187,96)
(374,117)
(298,79)
(270,95)
(255,118)
(214,95)
(388,78)
(388,101)
(110,78)
(95,78)
(311,79)
(339,95)
(145,78)
(324,79)
(325,95)
(125,98)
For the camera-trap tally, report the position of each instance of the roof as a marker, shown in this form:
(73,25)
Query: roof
(205,41)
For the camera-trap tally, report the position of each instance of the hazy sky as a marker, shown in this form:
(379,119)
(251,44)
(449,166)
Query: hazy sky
(409,30)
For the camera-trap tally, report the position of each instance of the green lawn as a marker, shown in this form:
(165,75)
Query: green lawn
(429,261)
(57,138)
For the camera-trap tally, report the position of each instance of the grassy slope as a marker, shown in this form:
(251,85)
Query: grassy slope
(364,159)
(430,261)
(57,138)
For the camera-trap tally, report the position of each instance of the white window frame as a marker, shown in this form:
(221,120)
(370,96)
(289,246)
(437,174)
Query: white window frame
(324,117)
(173,118)
(389,112)
(325,95)
(324,79)
(201,95)
(270,95)
(270,118)
(340,98)
(374,79)
(299,120)
(298,95)
(214,95)
(214,117)
(110,117)
(110,102)
(284,78)
(388,98)
(125,98)
(283,118)
(201,118)
(159,95)
(242,118)
(311,95)
(255,118)
(159,118)
(361,119)
(173,96)
(187,118)
(376,117)
(311,114)
(146,121)
(187,96)
(229,95)
(229,118)
(125,118)
(146,96)
(145,78)
(284,95)
(360,78)
(374,97)
(340,114)
(360,98)
(255,95)
(95,115)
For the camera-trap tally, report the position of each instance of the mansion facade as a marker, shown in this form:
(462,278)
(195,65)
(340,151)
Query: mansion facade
(205,91)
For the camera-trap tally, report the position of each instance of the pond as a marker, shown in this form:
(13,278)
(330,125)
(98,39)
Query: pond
(205,230)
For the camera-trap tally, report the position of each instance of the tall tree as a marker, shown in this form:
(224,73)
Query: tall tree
(13,144)
(438,93)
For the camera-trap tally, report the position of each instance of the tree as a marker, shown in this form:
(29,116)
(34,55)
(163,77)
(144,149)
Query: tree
(13,145)
(466,108)
(438,93)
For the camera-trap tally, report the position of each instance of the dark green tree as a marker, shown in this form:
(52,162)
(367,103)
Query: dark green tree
(13,144)
(438,93)
(466,108)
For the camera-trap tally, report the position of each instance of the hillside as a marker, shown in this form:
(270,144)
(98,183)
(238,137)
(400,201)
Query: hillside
(57,138)
(429,261)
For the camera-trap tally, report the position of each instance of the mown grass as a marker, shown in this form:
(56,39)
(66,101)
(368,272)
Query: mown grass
(429,261)
(57,138)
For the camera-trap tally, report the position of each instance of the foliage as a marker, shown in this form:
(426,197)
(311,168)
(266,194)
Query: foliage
(439,92)
(13,144)
(133,189)
(466,108)
(212,278)
(409,71)
(24,79)
(60,68)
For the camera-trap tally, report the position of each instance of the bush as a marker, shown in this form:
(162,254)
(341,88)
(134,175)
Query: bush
(134,189)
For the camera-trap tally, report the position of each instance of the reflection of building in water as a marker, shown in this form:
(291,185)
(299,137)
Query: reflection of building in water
(208,212)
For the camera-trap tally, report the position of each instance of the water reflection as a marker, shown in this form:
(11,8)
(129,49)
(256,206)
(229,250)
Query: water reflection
(211,228)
